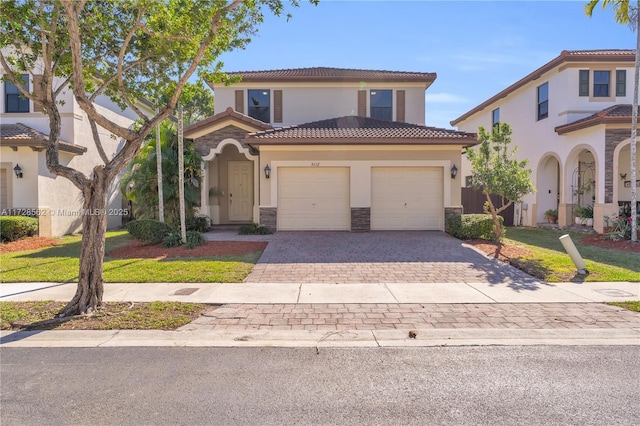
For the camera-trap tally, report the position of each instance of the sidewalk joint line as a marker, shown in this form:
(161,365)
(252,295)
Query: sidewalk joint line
(389,290)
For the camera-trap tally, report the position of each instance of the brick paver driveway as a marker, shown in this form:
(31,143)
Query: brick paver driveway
(377,257)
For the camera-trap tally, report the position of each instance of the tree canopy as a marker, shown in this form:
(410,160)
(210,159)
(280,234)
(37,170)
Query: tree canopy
(125,50)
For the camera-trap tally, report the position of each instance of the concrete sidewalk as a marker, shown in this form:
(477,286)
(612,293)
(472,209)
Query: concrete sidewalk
(221,293)
(358,315)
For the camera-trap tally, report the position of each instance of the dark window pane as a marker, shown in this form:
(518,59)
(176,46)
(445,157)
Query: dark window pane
(14,101)
(382,104)
(601,83)
(381,113)
(259,102)
(543,101)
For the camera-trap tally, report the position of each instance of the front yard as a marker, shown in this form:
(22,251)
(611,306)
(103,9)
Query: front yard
(60,263)
(539,252)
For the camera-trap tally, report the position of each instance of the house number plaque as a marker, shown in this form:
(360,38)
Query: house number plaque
(627,183)
(315,164)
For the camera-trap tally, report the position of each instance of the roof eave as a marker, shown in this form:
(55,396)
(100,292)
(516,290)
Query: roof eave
(40,145)
(572,127)
(361,141)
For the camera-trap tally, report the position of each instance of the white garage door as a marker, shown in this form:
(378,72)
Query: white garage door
(313,199)
(407,198)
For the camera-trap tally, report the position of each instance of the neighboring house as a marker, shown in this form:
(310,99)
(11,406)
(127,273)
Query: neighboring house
(328,149)
(571,118)
(32,189)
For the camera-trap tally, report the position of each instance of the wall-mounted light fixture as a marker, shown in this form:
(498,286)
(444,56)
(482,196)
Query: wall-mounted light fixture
(267,171)
(454,171)
(623,176)
(18,171)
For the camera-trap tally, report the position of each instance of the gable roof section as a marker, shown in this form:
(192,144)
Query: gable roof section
(615,114)
(354,130)
(326,74)
(18,134)
(606,55)
(228,114)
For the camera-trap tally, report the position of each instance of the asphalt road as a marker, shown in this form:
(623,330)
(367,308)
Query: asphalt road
(276,386)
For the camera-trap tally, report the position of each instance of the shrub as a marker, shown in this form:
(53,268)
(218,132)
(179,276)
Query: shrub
(199,223)
(148,230)
(255,229)
(194,239)
(472,226)
(13,228)
(174,239)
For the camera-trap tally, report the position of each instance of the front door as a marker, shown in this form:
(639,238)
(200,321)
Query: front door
(240,190)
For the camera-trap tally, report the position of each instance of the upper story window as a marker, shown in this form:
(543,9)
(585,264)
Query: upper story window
(495,118)
(382,104)
(543,101)
(601,81)
(14,101)
(621,83)
(584,83)
(259,102)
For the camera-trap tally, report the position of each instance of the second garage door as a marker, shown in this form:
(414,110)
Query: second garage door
(313,199)
(407,198)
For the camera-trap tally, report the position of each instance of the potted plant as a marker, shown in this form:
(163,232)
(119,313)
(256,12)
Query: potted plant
(552,215)
(584,215)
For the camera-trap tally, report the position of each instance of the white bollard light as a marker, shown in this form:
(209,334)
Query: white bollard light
(571,249)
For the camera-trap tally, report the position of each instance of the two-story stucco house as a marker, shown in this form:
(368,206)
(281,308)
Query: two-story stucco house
(26,185)
(571,118)
(328,149)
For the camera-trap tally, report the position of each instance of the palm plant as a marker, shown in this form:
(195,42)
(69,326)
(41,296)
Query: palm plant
(140,183)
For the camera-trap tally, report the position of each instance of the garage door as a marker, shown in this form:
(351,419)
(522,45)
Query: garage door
(313,199)
(407,198)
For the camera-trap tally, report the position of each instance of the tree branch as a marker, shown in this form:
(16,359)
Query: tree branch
(98,142)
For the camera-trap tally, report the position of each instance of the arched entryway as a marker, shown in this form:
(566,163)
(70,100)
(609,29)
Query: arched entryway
(582,188)
(230,195)
(547,185)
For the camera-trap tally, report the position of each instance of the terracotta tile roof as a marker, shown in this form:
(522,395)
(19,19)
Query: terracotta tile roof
(620,113)
(603,55)
(326,74)
(18,134)
(361,131)
(229,113)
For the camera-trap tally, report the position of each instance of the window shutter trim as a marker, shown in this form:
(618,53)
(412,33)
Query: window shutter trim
(583,85)
(621,83)
(240,101)
(400,106)
(277,106)
(362,103)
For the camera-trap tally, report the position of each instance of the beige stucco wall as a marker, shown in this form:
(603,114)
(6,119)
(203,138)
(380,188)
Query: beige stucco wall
(308,102)
(360,160)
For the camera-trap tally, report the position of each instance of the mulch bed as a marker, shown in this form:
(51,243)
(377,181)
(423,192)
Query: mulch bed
(623,245)
(137,249)
(499,251)
(31,243)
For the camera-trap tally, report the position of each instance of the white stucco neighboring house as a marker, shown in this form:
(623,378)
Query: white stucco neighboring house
(571,118)
(23,128)
(328,149)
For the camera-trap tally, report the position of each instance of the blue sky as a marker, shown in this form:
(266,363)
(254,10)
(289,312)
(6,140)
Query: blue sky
(477,48)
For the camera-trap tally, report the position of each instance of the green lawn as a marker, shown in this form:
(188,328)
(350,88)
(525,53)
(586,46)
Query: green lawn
(549,260)
(60,264)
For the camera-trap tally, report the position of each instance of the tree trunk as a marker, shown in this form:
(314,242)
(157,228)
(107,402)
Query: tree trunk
(497,228)
(90,289)
(634,132)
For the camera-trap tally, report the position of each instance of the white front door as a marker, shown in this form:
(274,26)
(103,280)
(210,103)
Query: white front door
(240,190)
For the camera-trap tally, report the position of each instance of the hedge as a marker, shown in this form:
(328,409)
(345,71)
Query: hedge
(472,226)
(13,228)
(148,230)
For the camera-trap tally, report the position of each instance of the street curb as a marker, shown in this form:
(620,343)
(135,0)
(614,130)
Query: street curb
(320,339)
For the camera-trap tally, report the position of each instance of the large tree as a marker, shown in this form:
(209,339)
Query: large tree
(121,49)
(495,170)
(627,14)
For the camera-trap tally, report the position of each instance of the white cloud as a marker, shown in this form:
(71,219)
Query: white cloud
(445,98)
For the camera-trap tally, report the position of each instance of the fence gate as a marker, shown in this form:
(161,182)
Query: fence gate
(473,202)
